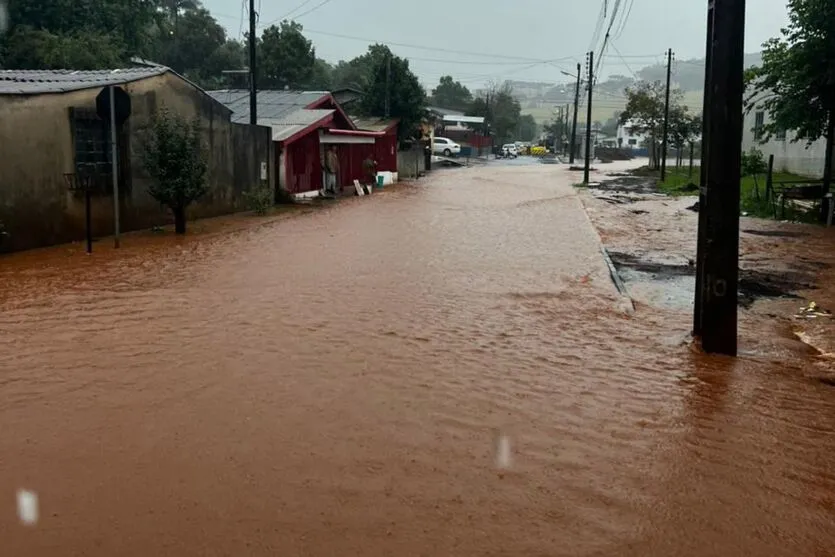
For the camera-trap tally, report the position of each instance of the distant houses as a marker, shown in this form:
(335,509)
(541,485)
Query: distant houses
(49,129)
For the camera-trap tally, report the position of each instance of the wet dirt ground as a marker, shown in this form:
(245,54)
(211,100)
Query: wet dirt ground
(334,382)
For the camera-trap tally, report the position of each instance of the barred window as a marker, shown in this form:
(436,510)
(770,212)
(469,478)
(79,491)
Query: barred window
(759,123)
(90,139)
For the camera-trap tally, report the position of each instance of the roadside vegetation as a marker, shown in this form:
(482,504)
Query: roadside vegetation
(752,185)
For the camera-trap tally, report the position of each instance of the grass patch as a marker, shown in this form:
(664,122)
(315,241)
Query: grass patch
(680,182)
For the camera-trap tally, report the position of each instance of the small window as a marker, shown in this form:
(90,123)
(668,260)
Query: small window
(633,141)
(92,145)
(780,135)
(759,123)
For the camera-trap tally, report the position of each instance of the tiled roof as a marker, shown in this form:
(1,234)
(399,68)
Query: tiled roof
(271,104)
(294,122)
(37,82)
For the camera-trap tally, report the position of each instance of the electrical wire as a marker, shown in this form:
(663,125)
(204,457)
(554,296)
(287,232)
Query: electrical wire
(437,49)
(289,15)
(243,15)
(601,18)
(313,9)
(624,61)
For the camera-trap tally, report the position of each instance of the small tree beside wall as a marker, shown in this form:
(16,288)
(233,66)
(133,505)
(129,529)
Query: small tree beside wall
(176,160)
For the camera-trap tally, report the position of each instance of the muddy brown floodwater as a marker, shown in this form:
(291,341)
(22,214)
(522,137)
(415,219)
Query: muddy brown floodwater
(334,383)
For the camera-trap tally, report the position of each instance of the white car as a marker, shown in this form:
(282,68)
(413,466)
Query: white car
(445,147)
(510,149)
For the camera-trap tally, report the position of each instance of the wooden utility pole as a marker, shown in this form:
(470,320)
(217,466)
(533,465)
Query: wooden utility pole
(567,129)
(588,120)
(666,117)
(719,229)
(574,126)
(701,240)
(253,73)
(114,169)
(388,85)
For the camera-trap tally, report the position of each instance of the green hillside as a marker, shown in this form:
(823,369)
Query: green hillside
(607,108)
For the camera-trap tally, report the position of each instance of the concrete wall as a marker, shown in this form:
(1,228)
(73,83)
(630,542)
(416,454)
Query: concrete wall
(37,149)
(796,157)
(409,162)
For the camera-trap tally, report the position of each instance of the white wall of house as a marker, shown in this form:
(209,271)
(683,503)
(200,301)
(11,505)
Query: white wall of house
(795,157)
(627,139)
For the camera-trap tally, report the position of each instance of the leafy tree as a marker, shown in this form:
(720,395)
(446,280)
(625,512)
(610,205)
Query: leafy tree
(528,128)
(392,78)
(797,77)
(353,73)
(176,160)
(451,94)
(321,79)
(287,58)
(76,26)
(560,128)
(684,128)
(501,110)
(33,48)
(188,39)
(644,112)
(610,126)
(231,55)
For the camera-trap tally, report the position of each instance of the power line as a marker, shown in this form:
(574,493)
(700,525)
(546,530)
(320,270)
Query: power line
(601,18)
(624,61)
(313,9)
(437,49)
(297,16)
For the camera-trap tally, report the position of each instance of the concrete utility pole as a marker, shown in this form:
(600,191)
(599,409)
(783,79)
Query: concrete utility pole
(718,256)
(588,120)
(253,73)
(559,130)
(576,107)
(666,118)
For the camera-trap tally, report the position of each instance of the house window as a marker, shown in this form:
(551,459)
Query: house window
(759,122)
(633,141)
(780,135)
(90,139)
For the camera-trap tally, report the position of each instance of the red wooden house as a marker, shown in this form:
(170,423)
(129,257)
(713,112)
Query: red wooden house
(305,124)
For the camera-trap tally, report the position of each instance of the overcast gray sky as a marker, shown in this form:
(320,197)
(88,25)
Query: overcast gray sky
(557,30)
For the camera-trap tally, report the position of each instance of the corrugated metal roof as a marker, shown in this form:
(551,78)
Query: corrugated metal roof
(290,124)
(374,124)
(444,111)
(39,82)
(271,104)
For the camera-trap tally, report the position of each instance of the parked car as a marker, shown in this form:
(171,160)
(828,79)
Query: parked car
(445,147)
(510,150)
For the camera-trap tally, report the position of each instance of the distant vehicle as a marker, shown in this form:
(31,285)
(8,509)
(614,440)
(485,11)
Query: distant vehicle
(510,150)
(445,147)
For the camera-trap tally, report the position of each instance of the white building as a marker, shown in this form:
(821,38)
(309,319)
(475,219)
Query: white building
(628,139)
(795,157)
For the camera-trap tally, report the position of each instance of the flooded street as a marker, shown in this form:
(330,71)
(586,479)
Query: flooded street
(334,383)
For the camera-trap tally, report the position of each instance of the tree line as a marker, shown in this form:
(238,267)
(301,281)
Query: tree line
(184,36)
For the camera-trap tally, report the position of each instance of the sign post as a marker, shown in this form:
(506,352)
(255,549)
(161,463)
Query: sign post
(113,105)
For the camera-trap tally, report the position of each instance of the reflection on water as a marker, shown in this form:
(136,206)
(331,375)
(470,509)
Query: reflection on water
(334,384)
